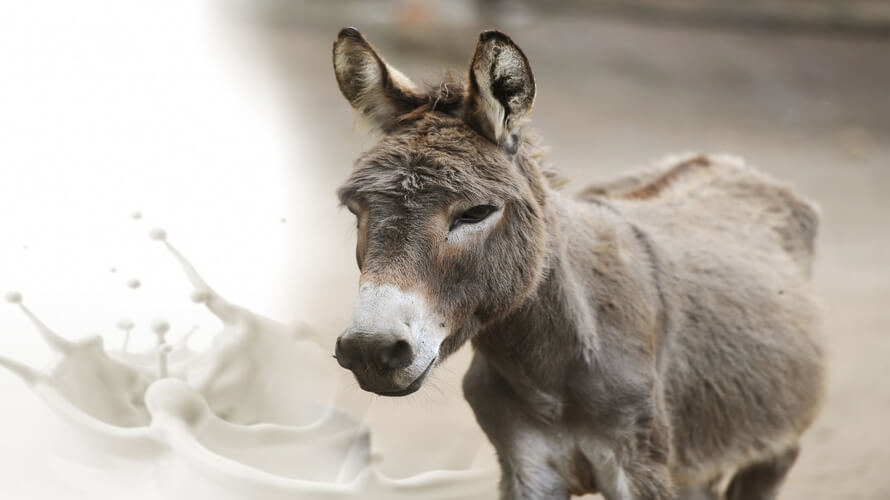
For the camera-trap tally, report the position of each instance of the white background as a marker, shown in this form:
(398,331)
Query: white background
(108,108)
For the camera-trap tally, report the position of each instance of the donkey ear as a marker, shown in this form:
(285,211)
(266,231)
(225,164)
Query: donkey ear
(377,90)
(501,90)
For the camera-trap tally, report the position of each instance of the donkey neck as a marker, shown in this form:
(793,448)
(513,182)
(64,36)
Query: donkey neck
(539,338)
(598,306)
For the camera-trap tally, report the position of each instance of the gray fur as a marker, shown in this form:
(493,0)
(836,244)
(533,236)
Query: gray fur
(650,338)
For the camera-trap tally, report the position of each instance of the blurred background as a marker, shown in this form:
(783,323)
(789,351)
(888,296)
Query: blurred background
(222,121)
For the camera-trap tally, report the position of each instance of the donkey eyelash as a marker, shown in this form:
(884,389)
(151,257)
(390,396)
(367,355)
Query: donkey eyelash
(473,215)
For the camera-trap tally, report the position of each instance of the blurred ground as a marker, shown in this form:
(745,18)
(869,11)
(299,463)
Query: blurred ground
(810,109)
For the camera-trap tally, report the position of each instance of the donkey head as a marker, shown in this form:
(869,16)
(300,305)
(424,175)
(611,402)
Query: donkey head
(449,208)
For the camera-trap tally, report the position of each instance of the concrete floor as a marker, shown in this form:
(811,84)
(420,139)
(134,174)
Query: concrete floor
(811,111)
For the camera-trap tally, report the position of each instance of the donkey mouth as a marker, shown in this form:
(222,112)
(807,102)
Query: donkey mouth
(413,386)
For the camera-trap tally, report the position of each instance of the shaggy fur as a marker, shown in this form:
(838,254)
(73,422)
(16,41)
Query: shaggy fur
(652,338)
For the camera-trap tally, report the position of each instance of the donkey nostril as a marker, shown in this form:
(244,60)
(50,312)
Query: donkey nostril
(397,355)
(347,354)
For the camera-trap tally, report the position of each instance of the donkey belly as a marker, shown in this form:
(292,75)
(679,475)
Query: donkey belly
(744,370)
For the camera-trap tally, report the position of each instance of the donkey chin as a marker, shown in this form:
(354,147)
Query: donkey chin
(392,342)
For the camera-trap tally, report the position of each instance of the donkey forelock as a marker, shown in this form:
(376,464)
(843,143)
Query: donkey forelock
(433,156)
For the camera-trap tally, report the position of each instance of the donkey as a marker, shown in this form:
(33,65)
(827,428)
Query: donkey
(652,338)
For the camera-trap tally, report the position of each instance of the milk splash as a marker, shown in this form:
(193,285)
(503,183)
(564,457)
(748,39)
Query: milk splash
(252,416)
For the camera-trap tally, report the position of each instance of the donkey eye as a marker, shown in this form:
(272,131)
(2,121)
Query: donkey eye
(474,215)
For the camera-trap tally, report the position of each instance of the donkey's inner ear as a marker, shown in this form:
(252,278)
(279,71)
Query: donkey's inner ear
(377,90)
(501,90)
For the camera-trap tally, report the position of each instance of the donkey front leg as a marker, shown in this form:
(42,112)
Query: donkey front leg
(624,471)
(523,450)
(626,434)
(526,470)
(648,480)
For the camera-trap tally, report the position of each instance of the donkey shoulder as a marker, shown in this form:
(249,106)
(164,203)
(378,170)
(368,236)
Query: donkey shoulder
(717,193)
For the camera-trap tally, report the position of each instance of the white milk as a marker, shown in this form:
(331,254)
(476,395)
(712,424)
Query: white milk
(252,416)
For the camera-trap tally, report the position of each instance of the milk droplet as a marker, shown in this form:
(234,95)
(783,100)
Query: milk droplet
(113,269)
(134,283)
(283,220)
(13,297)
(157,234)
(136,215)
(160,327)
(200,296)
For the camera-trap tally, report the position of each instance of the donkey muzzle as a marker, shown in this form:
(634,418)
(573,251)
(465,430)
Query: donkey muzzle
(392,341)
(384,353)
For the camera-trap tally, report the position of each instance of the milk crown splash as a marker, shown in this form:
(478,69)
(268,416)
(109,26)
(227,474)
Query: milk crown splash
(233,413)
